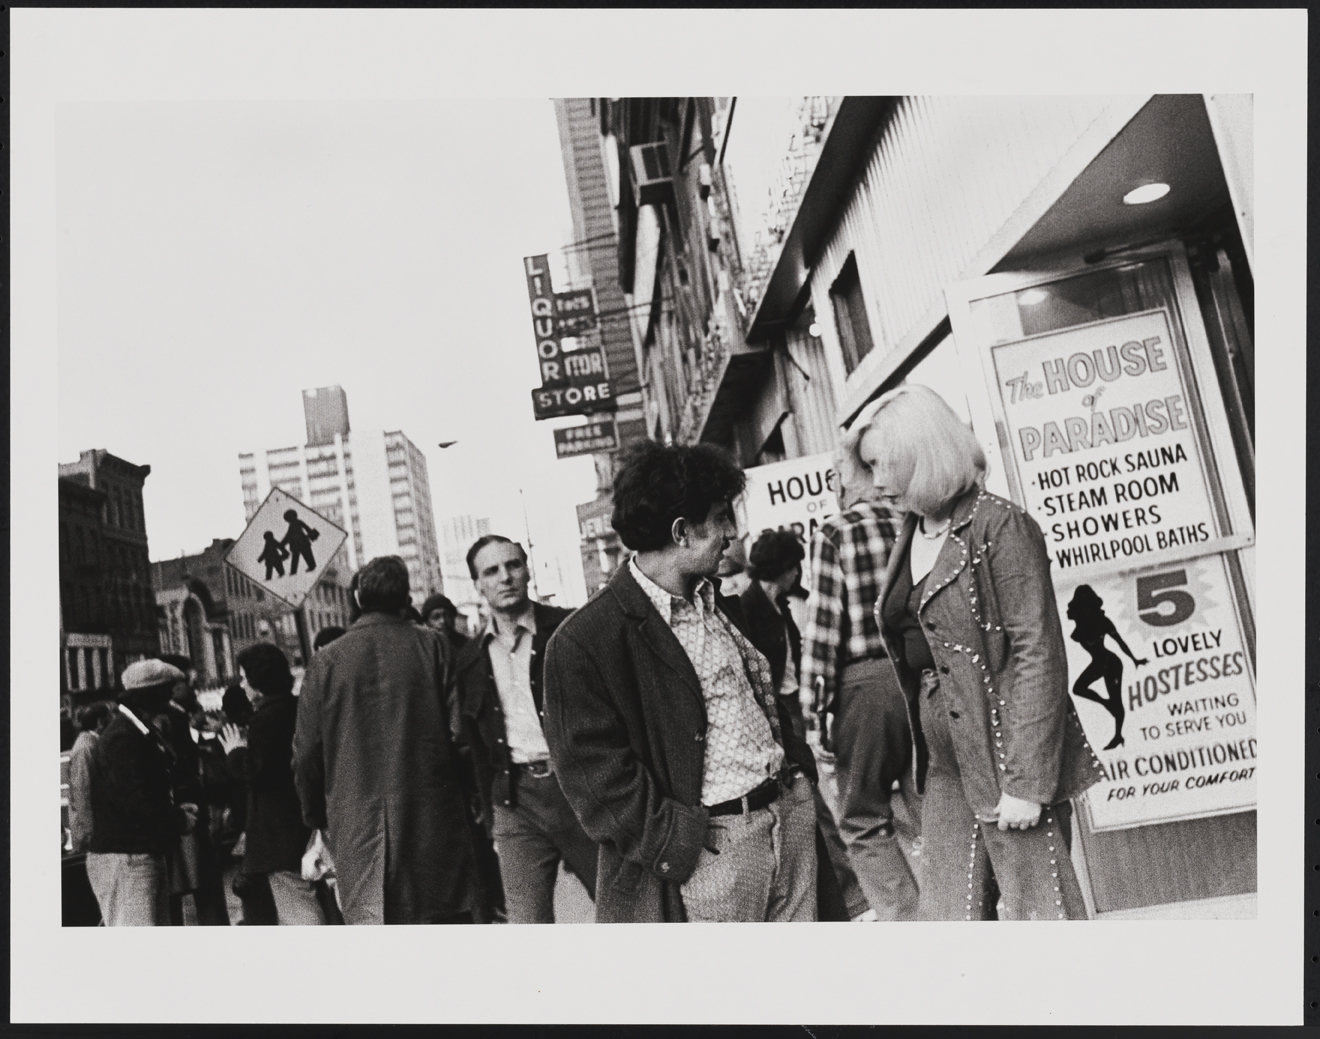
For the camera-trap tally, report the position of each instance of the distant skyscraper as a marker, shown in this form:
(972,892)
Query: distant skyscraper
(457,534)
(326,411)
(373,484)
(590,162)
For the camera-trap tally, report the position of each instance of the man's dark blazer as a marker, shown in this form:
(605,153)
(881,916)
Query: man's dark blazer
(479,716)
(626,723)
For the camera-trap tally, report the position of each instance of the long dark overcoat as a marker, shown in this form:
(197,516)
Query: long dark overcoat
(626,724)
(276,833)
(376,767)
(990,616)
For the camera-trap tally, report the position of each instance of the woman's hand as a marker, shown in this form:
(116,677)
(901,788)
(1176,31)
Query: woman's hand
(231,738)
(1017,814)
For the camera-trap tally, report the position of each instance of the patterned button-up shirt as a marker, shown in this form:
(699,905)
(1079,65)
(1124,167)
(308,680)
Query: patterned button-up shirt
(742,740)
(849,554)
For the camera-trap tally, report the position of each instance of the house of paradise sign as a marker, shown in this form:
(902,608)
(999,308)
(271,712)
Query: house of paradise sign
(1105,455)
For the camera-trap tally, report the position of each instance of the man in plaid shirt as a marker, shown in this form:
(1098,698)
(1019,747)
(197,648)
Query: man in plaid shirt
(844,667)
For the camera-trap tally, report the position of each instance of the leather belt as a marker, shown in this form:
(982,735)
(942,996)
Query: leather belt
(535,769)
(758,797)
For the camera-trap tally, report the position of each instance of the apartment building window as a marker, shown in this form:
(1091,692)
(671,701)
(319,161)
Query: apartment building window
(850,314)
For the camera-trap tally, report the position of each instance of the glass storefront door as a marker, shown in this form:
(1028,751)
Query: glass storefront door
(1097,398)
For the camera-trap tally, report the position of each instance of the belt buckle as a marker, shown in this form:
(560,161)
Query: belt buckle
(537,769)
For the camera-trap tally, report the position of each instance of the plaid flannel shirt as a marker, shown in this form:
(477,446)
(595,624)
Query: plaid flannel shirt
(849,554)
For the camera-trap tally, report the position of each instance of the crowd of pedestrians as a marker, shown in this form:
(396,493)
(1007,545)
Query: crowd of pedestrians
(677,744)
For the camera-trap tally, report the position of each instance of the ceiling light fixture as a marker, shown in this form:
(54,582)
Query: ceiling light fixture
(1146,193)
(1031,297)
(813,330)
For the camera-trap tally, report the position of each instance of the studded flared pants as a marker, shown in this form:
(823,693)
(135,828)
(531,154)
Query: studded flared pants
(969,865)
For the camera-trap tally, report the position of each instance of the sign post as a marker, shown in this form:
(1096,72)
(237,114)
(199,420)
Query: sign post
(283,550)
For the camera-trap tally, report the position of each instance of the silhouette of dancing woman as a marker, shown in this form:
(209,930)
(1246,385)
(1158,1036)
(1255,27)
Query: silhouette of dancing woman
(299,540)
(273,555)
(1087,611)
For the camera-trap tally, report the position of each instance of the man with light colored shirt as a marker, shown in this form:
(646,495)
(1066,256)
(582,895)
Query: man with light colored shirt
(497,698)
(663,723)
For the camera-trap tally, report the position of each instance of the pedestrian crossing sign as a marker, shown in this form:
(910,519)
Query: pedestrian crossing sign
(286,547)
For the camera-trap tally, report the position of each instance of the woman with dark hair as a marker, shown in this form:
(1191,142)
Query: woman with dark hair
(276,836)
(251,888)
(969,620)
(1087,612)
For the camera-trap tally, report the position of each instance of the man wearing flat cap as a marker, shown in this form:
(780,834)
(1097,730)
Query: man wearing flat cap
(136,819)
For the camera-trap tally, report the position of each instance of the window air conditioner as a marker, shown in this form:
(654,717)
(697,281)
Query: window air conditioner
(705,180)
(652,174)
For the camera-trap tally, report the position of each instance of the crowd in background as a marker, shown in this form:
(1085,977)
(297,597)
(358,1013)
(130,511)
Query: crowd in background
(681,744)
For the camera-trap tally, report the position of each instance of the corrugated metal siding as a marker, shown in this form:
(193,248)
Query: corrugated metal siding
(946,174)
(811,396)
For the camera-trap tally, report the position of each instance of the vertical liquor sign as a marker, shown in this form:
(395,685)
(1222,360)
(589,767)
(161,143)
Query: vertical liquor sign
(542,298)
(575,382)
(1102,447)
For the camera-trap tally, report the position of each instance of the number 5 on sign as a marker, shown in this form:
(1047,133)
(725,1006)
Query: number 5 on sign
(1156,591)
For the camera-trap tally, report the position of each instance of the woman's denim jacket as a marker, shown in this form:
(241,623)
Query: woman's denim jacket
(989,614)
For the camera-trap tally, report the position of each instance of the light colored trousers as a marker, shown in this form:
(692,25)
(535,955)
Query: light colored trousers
(131,889)
(766,866)
(295,899)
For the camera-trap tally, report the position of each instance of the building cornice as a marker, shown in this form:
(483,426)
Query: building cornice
(851,137)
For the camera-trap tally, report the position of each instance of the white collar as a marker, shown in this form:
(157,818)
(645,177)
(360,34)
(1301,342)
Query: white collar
(135,720)
(525,620)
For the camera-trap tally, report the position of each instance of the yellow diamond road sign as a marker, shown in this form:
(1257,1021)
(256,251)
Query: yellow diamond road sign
(286,547)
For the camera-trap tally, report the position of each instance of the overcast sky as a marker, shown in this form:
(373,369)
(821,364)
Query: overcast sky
(217,258)
(183,268)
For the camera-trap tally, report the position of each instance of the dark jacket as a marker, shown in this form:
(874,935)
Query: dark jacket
(774,633)
(131,802)
(990,617)
(479,716)
(626,723)
(276,834)
(376,767)
(185,765)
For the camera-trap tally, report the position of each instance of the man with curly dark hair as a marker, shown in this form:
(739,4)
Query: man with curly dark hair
(662,719)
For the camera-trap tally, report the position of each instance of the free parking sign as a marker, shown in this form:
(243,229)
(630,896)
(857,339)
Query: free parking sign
(285,547)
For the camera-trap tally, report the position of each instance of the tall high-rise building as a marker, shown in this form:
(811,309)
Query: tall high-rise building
(591,175)
(457,535)
(326,412)
(373,484)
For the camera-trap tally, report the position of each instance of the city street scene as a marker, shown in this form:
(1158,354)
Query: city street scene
(764,341)
(658,509)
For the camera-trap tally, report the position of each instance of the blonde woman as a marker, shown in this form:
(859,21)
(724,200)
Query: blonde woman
(968,616)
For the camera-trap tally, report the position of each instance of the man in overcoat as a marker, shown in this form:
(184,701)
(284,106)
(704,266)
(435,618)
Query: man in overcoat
(376,766)
(663,724)
(498,692)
